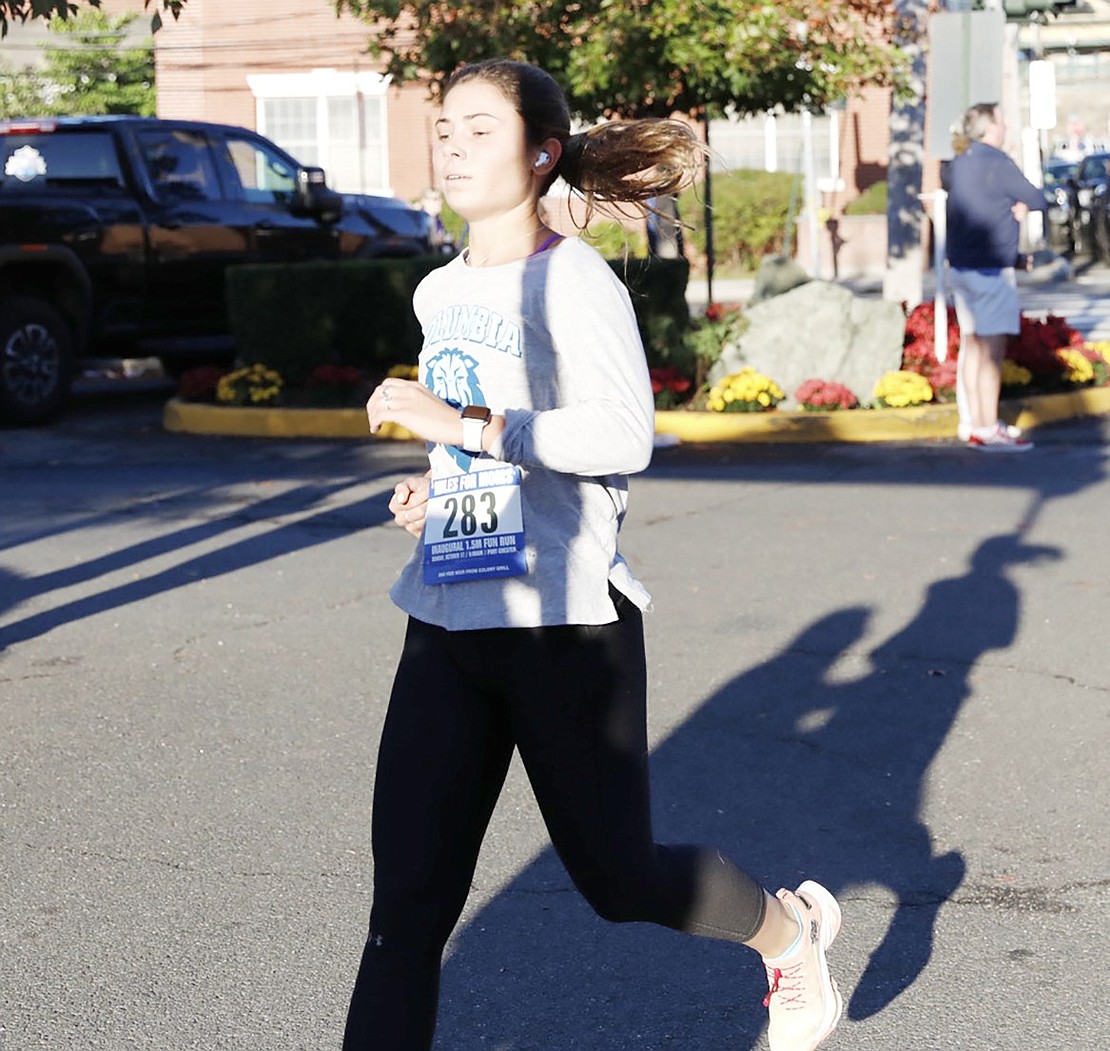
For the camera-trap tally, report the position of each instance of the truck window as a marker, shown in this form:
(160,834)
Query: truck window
(39,160)
(179,165)
(265,176)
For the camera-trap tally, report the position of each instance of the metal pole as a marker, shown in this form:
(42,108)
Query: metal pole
(708,215)
(940,248)
(809,179)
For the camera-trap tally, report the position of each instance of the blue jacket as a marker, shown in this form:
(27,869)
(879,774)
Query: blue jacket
(982,184)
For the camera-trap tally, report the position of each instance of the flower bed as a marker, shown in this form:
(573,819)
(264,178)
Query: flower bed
(1048,356)
(1050,373)
(331,403)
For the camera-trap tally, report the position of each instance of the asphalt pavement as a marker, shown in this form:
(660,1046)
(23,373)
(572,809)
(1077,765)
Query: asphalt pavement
(879,666)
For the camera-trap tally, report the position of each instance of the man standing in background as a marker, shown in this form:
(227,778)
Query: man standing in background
(988,197)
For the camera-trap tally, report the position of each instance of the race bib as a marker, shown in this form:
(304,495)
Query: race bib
(474,527)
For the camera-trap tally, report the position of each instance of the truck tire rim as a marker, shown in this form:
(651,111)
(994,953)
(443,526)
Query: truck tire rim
(30,364)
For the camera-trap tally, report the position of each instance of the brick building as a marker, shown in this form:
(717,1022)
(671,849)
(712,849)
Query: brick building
(300,75)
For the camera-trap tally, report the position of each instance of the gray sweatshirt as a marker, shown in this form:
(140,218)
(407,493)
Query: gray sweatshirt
(551,343)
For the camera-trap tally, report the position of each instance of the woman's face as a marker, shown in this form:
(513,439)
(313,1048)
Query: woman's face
(480,158)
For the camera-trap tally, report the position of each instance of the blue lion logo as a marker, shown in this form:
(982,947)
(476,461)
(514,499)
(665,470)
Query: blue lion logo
(450,375)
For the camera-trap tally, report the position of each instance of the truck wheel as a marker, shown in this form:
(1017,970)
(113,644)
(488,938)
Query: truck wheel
(36,360)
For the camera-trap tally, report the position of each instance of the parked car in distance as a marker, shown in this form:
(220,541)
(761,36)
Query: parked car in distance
(1090,176)
(1056,173)
(1100,223)
(394,227)
(116,233)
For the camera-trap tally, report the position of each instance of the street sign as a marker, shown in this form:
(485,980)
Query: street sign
(965,67)
(1042,95)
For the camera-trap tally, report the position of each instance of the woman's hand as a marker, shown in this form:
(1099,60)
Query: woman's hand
(411,405)
(409,503)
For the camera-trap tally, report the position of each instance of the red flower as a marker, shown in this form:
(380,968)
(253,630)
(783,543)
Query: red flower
(919,326)
(943,380)
(199,384)
(669,378)
(1036,344)
(719,311)
(335,376)
(920,356)
(816,394)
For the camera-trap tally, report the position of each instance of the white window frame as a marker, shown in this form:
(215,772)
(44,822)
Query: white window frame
(826,125)
(323,84)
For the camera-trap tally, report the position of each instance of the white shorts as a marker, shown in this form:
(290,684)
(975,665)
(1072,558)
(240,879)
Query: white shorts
(986,303)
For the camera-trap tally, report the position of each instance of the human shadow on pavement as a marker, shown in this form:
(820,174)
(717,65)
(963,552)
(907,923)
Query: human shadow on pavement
(795,771)
(301,533)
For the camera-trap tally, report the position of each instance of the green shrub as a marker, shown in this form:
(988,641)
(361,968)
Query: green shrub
(871,202)
(453,223)
(750,211)
(657,288)
(356,312)
(608,236)
(359,313)
(615,241)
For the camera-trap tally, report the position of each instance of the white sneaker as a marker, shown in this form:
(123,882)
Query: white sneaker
(803,999)
(963,430)
(1000,440)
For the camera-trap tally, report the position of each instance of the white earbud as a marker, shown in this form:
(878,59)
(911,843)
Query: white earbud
(543,158)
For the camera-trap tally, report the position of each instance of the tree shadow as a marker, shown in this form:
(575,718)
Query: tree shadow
(297,535)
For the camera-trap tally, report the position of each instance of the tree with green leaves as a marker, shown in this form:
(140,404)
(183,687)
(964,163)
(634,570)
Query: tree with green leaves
(23,10)
(23,92)
(92,72)
(651,57)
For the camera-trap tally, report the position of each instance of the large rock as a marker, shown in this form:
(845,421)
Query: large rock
(777,274)
(819,330)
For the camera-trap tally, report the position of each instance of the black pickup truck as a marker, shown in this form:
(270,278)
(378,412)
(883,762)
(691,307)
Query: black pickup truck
(115,233)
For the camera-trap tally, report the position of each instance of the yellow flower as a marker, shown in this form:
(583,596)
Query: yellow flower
(1015,375)
(254,385)
(1101,347)
(1077,369)
(898,389)
(745,391)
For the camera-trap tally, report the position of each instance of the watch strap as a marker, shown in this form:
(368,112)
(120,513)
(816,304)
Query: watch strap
(474,420)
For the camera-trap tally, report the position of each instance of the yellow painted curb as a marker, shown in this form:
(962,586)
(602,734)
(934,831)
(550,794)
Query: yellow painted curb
(198,418)
(850,425)
(1031,412)
(855,425)
(872,425)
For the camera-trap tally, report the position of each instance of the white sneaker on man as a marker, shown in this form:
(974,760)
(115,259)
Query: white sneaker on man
(963,430)
(999,439)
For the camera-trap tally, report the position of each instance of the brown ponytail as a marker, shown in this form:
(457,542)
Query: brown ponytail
(616,162)
(631,160)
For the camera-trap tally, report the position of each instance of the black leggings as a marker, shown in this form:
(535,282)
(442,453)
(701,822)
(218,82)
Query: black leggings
(572,701)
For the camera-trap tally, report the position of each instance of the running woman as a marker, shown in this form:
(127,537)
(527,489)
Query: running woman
(525,627)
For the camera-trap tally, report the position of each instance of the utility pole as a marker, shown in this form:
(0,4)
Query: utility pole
(903,280)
